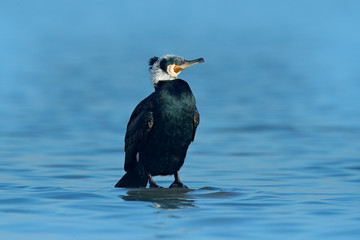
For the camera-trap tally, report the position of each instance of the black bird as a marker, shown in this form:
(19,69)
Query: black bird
(161,127)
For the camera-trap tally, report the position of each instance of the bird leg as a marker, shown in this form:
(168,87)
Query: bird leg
(177,183)
(152,183)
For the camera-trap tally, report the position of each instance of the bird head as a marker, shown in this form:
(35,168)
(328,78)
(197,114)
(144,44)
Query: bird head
(169,67)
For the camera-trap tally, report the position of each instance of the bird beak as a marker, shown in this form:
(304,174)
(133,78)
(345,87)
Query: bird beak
(187,64)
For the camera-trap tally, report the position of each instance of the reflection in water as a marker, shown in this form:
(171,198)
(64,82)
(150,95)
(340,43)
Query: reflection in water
(166,198)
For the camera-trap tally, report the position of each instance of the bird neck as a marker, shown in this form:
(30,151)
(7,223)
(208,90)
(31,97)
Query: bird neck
(176,83)
(157,75)
(161,83)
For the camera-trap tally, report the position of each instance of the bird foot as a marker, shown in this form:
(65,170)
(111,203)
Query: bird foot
(154,185)
(177,185)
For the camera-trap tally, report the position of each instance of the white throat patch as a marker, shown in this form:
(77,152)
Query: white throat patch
(171,72)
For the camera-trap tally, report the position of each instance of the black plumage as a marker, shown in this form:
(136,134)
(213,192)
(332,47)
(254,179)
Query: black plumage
(159,132)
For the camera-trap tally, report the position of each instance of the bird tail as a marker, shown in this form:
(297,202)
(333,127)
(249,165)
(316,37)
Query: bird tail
(132,179)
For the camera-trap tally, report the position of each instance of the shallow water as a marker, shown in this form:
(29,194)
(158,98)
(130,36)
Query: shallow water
(277,152)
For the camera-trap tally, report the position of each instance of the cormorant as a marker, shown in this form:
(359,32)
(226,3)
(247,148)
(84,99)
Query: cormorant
(161,127)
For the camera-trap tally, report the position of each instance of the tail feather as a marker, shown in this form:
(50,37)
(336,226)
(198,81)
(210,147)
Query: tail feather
(132,179)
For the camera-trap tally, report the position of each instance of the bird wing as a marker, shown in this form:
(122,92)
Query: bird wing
(138,128)
(196,122)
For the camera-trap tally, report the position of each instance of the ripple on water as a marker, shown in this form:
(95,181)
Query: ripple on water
(70,176)
(68,195)
(216,193)
(20,205)
(66,166)
(12,201)
(354,168)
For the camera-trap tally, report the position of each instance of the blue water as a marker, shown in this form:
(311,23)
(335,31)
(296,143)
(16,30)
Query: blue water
(277,152)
